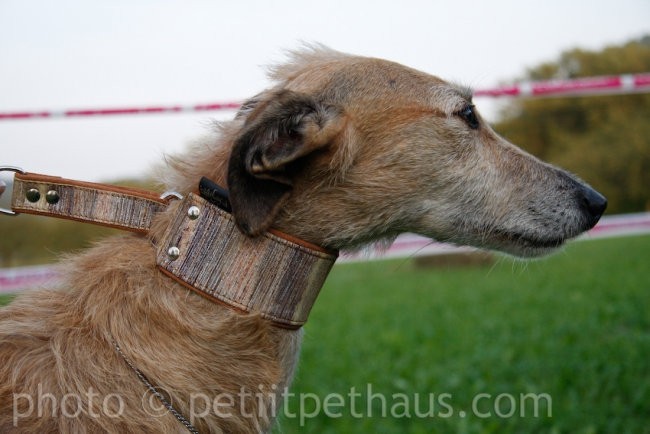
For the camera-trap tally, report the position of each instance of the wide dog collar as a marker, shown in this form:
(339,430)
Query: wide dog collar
(274,275)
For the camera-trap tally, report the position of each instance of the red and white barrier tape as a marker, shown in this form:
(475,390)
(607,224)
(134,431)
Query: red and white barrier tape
(80,113)
(615,84)
(612,84)
(406,246)
(19,278)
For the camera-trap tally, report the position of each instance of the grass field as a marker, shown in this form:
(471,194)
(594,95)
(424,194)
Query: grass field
(575,326)
(570,333)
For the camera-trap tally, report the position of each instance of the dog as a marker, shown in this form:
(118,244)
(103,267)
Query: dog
(341,151)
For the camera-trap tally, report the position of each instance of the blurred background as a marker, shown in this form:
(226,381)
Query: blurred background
(575,326)
(69,54)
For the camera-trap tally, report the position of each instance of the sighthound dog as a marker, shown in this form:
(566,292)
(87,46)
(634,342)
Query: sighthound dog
(341,152)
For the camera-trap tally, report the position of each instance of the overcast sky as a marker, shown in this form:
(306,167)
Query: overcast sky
(63,54)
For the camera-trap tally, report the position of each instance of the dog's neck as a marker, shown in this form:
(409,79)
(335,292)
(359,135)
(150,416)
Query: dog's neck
(197,244)
(274,274)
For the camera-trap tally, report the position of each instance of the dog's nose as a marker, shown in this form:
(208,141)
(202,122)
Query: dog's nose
(594,205)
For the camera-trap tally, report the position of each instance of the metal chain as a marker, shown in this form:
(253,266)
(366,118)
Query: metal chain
(155,392)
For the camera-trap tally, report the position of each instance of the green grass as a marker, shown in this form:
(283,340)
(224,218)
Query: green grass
(575,327)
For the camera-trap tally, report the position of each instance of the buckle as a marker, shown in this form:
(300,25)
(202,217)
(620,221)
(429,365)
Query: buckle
(3,185)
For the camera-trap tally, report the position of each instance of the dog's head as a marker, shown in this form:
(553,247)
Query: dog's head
(347,150)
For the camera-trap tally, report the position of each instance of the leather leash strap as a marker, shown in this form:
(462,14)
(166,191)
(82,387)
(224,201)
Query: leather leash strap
(125,208)
(275,274)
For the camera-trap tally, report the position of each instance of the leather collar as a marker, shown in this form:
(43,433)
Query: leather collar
(275,275)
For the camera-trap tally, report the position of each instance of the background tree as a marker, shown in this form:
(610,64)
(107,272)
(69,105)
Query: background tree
(605,139)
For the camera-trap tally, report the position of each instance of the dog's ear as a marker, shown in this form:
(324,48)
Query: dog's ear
(278,137)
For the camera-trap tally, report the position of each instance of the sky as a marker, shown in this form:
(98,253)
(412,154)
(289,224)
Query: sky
(68,54)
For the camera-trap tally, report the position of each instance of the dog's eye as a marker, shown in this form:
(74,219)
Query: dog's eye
(468,114)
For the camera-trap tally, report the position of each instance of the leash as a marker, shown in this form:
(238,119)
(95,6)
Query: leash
(123,208)
(164,401)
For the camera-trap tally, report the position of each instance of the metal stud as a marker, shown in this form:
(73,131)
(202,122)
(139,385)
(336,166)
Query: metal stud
(173,253)
(33,195)
(193,212)
(52,197)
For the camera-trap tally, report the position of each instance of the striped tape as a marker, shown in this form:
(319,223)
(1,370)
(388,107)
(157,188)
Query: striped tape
(614,84)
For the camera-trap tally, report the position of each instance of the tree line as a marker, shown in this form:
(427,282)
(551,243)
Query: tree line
(605,139)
